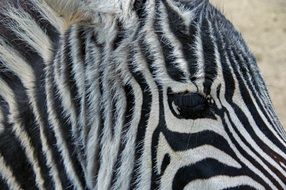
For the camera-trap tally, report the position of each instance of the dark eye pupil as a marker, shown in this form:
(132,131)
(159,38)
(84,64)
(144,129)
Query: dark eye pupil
(188,105)
(191,100)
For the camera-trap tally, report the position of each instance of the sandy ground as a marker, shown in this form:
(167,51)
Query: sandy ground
(263,26)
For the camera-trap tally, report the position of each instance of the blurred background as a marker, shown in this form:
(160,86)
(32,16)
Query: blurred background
(263,26)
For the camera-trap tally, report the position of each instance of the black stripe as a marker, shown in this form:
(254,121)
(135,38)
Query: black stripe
(37,65)
(144,118)
(187,40)
(241,187)
(50,134)
(165,163)
(119,36)
(128,116)
(97,157)
(203,169)
(70,81)
(32,58)
(229,91)
(245,168)
(114,113)
(141,15)
(40,100)
(238,64)
(68,61)
(149,58)
(140,8)
(11,149)
(156,176)
(247,71)
(82,40)
(167,48)
(26,116)
(84,37)
(44,24)
(3,184)
(4,109)
(243,118)
(210,66)
(65,129)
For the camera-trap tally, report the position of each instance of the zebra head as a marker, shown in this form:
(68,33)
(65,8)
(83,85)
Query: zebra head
(196,111)
(174,100)
(135,94)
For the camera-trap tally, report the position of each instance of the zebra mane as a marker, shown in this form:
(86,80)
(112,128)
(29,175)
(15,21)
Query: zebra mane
(97,10)
(90,10)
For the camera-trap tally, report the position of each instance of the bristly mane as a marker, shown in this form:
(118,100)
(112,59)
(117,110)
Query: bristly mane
(97,10)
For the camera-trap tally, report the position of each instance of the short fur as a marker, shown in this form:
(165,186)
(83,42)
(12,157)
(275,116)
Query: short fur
(134,94)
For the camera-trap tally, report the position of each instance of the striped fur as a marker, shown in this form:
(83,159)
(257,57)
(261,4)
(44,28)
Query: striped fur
(93,93)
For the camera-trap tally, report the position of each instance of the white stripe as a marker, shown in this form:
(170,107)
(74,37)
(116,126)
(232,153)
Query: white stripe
(257,130)
(77,72)
(229,108)
(1,121)
(127,159)
(152,40)
(200,74)
(108,153)
(145,169)
(250,153)
(18,65)
(177,53)
(263,98)
(60,80)
(223,182)
(79,75)
(269,110)
(29,31)
(61,144)
(20,133)
(187,158)
(7,175)
(243,131)
(92,75)
(186,14)
(49,14)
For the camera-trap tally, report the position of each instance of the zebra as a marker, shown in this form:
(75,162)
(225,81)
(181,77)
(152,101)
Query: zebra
(134,94)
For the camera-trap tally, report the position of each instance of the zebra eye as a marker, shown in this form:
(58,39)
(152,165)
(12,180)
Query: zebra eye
(188,105)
